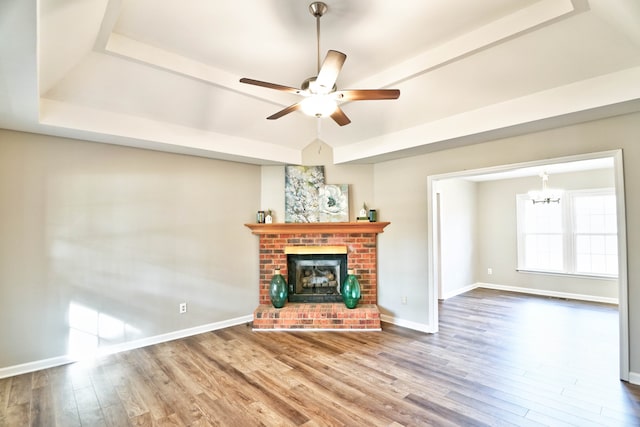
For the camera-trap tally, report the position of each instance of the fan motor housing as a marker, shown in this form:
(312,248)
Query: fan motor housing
(306,84)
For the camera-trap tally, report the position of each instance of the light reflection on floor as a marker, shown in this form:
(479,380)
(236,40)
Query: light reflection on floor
(560,337)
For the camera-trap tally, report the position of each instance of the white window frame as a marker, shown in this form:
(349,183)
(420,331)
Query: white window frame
(569,234)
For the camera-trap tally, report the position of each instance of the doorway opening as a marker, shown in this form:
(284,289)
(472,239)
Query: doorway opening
(438,261)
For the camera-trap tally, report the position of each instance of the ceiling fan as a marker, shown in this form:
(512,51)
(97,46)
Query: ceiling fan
(320,94)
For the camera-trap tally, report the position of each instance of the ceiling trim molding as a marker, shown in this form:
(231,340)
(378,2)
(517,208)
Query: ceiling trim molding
(131,49)
(604,92)
(111,13)
(123,129)
(508,27)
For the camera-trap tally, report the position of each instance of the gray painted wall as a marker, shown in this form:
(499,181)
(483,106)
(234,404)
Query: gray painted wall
(99,244)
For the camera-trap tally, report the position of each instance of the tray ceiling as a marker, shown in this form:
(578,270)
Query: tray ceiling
(164,75)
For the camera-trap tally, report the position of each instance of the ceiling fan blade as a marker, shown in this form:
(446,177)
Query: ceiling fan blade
(270,85)
(330,69)
(367,94)
(285,111)
(340,117)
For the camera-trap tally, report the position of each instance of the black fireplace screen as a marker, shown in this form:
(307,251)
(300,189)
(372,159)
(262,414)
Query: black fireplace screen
(317,277)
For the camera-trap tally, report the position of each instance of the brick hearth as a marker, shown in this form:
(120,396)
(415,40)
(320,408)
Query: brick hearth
(361,242)
(317,316)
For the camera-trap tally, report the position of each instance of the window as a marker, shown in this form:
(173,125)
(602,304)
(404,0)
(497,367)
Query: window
(576,236)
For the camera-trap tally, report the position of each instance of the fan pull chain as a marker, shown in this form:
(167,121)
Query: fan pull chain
(318,134)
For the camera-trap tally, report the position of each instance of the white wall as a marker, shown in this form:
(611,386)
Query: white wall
(401,195)
(103,242)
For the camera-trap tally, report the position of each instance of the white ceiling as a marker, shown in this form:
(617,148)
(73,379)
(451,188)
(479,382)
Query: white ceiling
(164,74)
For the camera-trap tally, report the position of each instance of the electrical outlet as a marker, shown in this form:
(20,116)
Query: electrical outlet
(489,271)
(183,307)
(404,300)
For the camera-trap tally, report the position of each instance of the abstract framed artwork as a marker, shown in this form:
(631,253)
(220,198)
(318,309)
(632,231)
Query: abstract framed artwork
(301,193)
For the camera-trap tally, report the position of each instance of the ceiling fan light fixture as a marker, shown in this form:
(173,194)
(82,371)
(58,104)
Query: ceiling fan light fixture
(319,105)
(320,92)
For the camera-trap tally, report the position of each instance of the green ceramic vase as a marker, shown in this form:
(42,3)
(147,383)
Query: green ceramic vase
(278,291)
(351,290)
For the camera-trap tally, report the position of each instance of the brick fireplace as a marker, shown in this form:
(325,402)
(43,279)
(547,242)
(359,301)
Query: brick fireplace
(360,241)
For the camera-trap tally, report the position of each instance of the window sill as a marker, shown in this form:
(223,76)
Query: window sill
(561,274)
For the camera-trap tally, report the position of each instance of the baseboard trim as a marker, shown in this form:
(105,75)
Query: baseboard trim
(316,330)
(459,291)
(544,292)
(407,324)
(38,365)
(634,378)
(24,368)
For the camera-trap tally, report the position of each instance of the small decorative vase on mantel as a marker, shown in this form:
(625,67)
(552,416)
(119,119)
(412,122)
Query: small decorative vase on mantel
(278,291)
(351,290)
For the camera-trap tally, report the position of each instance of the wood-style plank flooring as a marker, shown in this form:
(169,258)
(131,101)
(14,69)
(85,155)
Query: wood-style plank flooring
(499,359)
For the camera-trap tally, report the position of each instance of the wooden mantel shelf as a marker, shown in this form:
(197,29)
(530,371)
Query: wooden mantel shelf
(318,227)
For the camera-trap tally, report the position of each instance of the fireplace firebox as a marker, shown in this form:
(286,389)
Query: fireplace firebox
(316,278)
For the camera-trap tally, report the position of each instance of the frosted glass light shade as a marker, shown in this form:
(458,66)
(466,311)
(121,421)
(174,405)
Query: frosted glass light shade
(318,105)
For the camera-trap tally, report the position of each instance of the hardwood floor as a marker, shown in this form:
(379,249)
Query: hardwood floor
(499,359)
